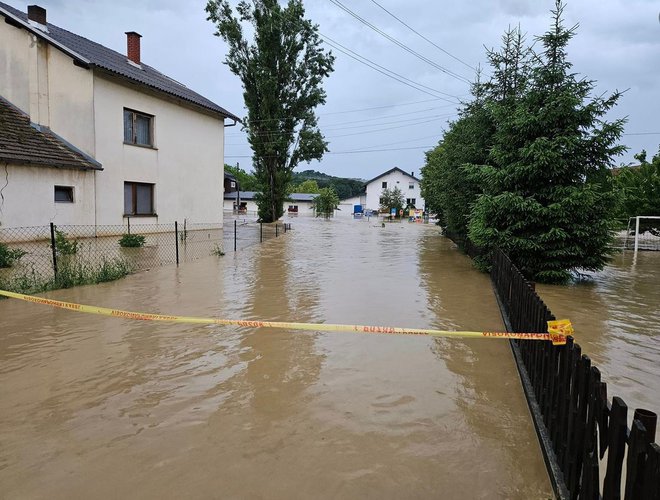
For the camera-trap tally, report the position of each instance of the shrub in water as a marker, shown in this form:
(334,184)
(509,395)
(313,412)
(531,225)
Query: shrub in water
(132,241)
(8,256)
(64,245)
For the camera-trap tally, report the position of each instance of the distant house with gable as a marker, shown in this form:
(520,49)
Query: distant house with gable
(93,136)
(407,183)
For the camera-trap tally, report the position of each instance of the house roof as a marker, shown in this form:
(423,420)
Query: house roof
(249,195)
(89,54)
(389,172)
(25,143)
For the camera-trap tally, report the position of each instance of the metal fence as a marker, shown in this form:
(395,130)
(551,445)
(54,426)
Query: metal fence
(40,258)
(576,424)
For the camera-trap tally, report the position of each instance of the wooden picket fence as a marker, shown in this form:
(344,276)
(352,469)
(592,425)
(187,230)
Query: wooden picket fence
(577,425)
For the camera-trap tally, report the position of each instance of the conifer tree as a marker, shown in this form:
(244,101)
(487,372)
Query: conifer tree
(543,201)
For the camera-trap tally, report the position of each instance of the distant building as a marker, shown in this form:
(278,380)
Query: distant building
(407,183)
(92,136)
(244,201)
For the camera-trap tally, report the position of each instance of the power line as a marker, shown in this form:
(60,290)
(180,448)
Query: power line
(400,44)
(339,46)
(351,152)
(423,37)
(643,133)
(385,71)
(383,107)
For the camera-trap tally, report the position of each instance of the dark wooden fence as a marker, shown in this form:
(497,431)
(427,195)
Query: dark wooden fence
(576,424)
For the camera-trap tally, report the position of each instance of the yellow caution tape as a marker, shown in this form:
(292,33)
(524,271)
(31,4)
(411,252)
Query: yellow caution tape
(557,334)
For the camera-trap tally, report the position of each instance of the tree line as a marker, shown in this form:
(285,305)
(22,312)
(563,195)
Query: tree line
(526,167)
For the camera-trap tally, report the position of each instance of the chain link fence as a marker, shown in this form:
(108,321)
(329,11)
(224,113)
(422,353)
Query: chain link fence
(40,258)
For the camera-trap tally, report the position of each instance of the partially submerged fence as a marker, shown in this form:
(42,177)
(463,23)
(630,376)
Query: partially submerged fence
(39,258)
(577,425)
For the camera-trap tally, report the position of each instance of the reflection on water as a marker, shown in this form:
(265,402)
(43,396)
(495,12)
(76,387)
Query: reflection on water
(103,407)
(616,315)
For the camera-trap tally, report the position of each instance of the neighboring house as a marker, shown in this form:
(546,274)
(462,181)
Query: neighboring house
(300,203)
(92,136)
(407,183)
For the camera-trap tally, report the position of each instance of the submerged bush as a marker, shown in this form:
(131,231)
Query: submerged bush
(132,241)
(8,255)
(64,245)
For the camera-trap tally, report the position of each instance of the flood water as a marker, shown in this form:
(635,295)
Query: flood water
(616,316)
(97,407)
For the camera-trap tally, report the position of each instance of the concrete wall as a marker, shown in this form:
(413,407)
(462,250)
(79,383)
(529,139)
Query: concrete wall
(394,179)
(185,165)
(14,65)
(29,197)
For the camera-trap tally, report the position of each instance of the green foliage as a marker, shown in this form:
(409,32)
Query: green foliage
(8,256)
(71,272)
(637,190)
(64,245)
(345,188)
(326,202)
(307,186)
(246,181)
(526,165)
(132,241)
(391,198)
(543,202)
(217,251)
(281,70)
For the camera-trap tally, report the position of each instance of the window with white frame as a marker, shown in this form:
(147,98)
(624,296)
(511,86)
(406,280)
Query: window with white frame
(411,185)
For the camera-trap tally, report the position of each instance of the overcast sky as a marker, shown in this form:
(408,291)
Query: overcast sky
(618,45)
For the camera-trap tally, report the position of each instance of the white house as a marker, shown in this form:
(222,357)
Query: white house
(244,202)
(91,136)
(407,183)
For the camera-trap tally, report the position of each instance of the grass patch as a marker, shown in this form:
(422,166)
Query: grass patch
(71,272)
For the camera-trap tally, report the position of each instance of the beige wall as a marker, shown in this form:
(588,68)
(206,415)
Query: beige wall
(186,163)
(71,101)
(29,196)
(14,65)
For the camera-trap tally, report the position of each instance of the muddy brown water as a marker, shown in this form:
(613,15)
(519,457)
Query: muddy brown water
(97,407)
(616,316)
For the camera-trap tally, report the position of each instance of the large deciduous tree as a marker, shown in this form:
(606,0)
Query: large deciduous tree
(281,68)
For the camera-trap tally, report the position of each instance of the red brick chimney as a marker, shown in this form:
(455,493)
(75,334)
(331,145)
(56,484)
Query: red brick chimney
(133,46)
(37,14)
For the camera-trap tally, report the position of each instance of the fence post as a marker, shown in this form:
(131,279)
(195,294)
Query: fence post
(261,232)
(234,235)
(276,230)
(128,219)
(176,240)
(52,245)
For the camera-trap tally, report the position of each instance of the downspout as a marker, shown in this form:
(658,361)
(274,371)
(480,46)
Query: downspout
(238,196)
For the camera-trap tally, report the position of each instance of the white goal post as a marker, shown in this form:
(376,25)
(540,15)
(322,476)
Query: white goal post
(637,219)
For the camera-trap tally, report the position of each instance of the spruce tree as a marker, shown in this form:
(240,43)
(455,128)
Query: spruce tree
(544,203)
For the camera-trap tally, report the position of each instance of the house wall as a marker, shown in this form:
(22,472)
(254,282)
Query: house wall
(29,196)
(186,164)
(394,179)
(14,65)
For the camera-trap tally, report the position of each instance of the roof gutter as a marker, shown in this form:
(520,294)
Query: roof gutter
(17,22)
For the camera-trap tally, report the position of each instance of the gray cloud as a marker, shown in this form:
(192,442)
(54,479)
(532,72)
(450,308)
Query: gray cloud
(618,45)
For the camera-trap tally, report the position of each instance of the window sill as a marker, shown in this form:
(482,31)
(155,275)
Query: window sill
(140,215)
(143,146)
